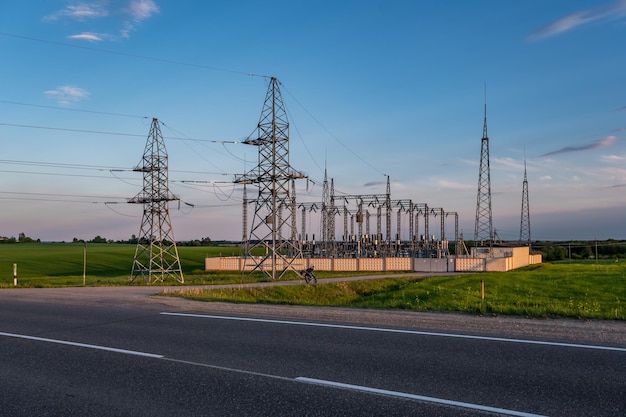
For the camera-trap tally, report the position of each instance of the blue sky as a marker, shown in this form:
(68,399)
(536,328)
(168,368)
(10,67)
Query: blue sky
(372,88)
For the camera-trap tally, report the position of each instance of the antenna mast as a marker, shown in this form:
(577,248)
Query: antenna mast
(483,229)
(524,228)
(156,256)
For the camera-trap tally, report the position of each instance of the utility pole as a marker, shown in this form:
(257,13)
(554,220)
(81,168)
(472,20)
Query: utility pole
(156,255)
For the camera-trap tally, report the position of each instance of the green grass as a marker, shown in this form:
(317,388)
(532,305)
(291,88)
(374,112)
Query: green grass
(584,289)
(61,264)
(594,291)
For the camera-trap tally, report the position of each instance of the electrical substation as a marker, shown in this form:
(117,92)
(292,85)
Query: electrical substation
(402,235)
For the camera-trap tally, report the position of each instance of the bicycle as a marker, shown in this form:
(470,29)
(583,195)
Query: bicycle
(308,275)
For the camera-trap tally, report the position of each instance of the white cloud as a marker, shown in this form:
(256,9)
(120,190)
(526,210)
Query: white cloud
(507,163)
(614,158)
(67,94)
(80,11)
(612,11)
(88,36)
(142,9)
(545,178)
(125,14)
(137,11)
(452,185)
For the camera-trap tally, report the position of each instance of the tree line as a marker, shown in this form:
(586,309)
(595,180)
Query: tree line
(578,250)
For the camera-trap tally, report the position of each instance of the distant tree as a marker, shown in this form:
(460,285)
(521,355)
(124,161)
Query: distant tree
(552,252)
(98,239)
(24,239)
(587,252)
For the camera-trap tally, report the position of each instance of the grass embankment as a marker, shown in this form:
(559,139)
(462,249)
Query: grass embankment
(580,290)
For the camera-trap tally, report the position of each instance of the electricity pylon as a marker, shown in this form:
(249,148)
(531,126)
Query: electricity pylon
(483,228)
(524,228)
(272,246)
(156,256)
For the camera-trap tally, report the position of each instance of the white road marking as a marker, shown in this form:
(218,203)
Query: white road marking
(82,345)
(415,332)
(417,397)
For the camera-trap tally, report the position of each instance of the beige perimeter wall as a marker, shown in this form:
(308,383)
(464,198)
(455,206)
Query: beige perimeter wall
(508,259)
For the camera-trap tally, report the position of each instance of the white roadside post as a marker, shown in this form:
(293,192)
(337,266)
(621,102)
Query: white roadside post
(15,275)
(84,261)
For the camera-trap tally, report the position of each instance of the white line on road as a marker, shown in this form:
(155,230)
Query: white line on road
(415,332)
(417,397)
(82,345)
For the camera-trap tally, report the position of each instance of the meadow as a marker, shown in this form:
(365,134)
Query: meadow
(583,289)
(61,264)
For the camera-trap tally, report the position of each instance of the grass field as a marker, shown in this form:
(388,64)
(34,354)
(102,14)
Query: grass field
(585,289)
(61,264)
(582,290)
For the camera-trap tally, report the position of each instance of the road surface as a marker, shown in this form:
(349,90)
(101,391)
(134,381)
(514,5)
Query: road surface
(124,352)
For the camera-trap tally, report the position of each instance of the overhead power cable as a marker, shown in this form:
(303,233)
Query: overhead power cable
(98,132)
(148,58)
(333,136)
(62,195)
(71,109)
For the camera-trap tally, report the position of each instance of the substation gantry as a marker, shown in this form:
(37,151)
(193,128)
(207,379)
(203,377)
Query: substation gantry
(359,241)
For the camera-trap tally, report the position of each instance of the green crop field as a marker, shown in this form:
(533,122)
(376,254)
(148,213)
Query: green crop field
(61,264)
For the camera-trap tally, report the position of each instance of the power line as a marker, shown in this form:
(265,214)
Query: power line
(62,165)
(71,109)
(333,136)
(99,132)
(126,54)
(61,195)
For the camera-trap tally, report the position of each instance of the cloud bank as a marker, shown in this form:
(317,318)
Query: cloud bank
(599,144)
(612,11)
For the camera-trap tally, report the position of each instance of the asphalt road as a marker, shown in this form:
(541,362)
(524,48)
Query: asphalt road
(121,352)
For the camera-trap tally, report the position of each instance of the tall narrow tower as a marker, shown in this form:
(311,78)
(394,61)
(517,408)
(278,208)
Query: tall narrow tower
(325,213)
(156,256)
(271,245)
(524,227)
(483,229)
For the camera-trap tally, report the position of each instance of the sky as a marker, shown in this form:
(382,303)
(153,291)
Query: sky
(372,89)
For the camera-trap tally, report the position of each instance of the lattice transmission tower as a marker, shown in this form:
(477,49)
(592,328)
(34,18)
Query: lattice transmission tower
(271,245)
(524,228)
(483,227)
(156,255)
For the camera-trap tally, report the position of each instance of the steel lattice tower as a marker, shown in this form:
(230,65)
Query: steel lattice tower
(483,229)
(325,212)
(524,228)
(271,233)
(156,256)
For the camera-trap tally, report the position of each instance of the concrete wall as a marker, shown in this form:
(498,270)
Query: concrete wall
(504,259)
(434,264)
